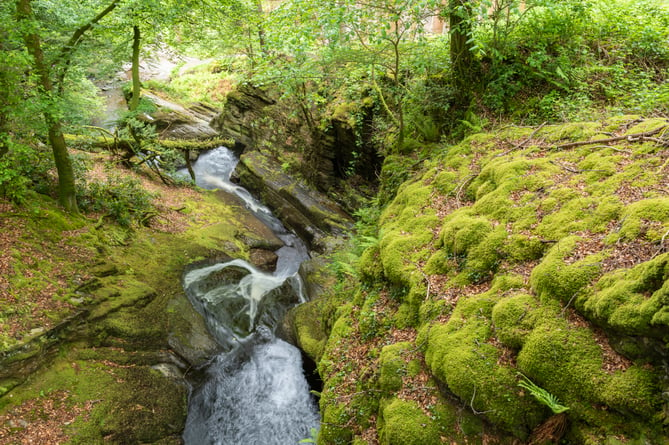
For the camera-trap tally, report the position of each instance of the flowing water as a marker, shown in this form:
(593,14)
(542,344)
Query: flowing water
(254,392)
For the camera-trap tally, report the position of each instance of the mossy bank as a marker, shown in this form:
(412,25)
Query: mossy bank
(520,253)
(97,332)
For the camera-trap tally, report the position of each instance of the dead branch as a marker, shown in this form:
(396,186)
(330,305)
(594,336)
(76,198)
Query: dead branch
(637,137)
(664,237)
(462,186)
(522,144)
(575,170)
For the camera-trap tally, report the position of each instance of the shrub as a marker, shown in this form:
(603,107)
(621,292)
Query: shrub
(121,198)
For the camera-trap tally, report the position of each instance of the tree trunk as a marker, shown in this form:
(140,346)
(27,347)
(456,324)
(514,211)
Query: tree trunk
(261,30)
(398,94)
(459,12)
(136,84)
(66,185)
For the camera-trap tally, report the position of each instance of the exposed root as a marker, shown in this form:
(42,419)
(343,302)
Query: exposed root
(549,432)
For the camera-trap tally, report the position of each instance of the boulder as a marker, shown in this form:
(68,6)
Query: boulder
(310,214)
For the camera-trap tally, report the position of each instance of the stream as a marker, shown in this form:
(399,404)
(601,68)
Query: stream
(254,392)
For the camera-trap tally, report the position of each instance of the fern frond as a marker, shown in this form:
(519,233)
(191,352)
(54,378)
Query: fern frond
(543,396)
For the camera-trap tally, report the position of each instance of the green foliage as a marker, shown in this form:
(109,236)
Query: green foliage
(120,197)
(543,396)
(25,168)
(553,60)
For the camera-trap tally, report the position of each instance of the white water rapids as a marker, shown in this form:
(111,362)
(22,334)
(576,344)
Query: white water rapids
(255,391)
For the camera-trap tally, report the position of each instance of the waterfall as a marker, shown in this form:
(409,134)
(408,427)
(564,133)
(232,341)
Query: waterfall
(254,391)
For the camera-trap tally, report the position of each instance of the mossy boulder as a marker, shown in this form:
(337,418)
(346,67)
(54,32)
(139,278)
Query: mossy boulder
(514,317)
(308,330)
(404,423)
(553,278)
(632,301)
(459,354)
(392,366)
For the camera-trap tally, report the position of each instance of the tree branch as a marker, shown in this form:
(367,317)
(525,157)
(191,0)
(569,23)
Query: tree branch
(637,137)
(66,51)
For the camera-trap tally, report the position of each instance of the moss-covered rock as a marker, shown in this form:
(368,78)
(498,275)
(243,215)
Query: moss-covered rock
(308,329)
(632,301)
(516,255)
(404,423)
(553,278)
(392,367)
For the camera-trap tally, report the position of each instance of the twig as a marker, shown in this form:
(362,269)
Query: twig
(462,186)
(573,170)
(566,167)
(664,237)
(471,405)
(567,305)
(614,149)
(663,142)
(517,146)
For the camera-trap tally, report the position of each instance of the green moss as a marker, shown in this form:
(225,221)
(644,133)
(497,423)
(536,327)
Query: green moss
(483,259)
(369,264)
(576,131)
(634,391)
(597,166)
(393,366)
(461,232)
(118,292)
(632,301)
(647,219)
(572,213)
(433,309)
(407,227)
(407,314)
(554,279)
(308,329)
(440,263)
(395,170)
(614,123)
(647,125)
(404,423)
(514,318)
(565,362)
(333,426)
(519,248)
(458,354)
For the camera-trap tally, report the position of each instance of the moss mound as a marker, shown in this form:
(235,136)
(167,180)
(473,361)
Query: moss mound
(525,253)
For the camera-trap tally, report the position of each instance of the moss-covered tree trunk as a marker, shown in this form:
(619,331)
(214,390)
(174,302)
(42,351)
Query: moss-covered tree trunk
(66,184)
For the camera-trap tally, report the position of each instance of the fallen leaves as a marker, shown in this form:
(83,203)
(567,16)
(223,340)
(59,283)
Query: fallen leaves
(42,420)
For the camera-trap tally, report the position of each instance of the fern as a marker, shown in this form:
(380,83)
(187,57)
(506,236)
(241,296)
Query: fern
(543,396)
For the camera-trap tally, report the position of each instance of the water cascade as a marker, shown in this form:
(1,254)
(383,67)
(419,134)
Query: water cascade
(254,392)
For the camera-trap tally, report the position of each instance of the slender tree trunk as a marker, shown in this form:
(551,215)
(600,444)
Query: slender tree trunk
(261,30)
(4,100)
(398,95)
(461,57)
(136,84)
(66,184)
